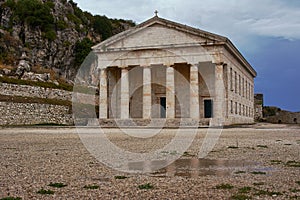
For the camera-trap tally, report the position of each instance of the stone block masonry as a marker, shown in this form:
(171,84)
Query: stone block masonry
(33,91)
(34,113)
(16,113)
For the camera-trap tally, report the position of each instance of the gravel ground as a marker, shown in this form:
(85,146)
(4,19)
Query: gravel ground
(32,158)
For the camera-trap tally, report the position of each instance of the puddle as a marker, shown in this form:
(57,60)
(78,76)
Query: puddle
(193,167)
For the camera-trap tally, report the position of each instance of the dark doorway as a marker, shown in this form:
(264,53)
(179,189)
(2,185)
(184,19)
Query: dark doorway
(208,108)
(163,105)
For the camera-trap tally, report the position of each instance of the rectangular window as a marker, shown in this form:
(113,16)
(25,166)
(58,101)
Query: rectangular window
(239,84)
(246,89)
(236,108)
(249,92)
(240,107)
(231,107)
(243,87)
(235,82)
(231,80)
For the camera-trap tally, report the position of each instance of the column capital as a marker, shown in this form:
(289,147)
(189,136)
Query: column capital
(220,63)
(146,66)
(194,64)
(123,67)
(101,68)
(169,65)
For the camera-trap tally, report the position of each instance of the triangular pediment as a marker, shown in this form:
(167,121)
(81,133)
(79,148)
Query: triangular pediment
(158,33)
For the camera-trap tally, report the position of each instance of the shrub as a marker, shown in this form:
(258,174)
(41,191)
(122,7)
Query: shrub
(43,191)
(35,13)
(224,186)
(82,49)
(57,185)
(146,186)
(91,187)
(103,26)
(50,35)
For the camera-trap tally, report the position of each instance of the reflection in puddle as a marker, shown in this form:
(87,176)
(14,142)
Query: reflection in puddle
(193,168)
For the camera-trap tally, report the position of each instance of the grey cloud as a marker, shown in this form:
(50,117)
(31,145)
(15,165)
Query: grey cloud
(233,18)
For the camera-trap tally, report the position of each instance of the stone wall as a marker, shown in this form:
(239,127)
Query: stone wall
(33,113)
(284,117)
(258,106)
(13,113)
(33,91)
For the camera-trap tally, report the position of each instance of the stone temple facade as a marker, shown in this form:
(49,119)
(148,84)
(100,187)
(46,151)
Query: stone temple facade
(163,70)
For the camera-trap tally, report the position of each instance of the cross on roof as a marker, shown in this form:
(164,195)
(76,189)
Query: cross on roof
(156,12)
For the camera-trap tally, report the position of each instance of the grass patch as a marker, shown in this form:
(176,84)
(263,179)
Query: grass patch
(187,154)
(258,183)
(240,197)
(295,197)
(276,162)
(169,152)
(232,147)
(298,182)
(146,186)
(62,86)
(19,99)
(262,146)
(57,185)
(245,190)
(224,186)
(91,187)
(11,198)
(85,90)
(258,173)
(49,124)
(240,172)
(292,163)
(43,191)
(294,190)
(121,177)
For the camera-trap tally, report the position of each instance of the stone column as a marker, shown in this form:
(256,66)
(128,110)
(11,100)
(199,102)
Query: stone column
(219,100)
(124,94)
(147,103)
(103,94)
(194,93)
(170,93)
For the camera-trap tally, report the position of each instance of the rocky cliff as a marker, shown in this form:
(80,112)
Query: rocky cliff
(54,34)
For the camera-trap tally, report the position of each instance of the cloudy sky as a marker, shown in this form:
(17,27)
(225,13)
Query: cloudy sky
(267,32)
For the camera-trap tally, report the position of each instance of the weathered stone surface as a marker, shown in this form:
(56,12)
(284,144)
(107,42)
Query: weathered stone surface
(32,91)
(284,117)
(32,113)
(58,52)
(218,86)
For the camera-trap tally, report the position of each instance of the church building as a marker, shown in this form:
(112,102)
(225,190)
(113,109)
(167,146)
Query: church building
(163,70)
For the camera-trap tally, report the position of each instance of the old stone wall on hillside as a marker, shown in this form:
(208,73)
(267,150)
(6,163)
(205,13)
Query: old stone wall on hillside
(284,117)
(32,91)
(34,113)
(17,113)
